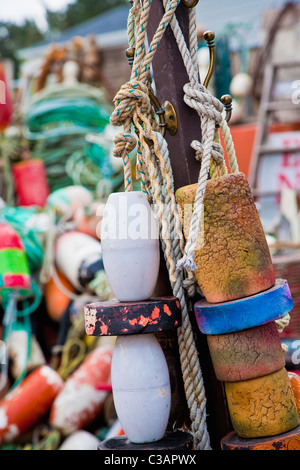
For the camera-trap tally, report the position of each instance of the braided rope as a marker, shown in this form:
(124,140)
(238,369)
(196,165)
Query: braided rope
(132,106)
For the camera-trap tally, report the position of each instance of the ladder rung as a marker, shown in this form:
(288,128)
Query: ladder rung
(262,193)
(266,150)
(281,106)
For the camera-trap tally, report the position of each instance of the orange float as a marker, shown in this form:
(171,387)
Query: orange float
(56,297)
(30,401)
(295,383)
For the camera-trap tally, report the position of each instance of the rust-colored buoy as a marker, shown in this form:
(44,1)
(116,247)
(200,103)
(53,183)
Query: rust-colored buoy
(234,261)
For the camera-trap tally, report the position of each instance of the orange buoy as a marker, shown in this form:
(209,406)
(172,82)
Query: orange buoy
(295,383)
(234,260)
(30,401)
(56,295)
(82,399)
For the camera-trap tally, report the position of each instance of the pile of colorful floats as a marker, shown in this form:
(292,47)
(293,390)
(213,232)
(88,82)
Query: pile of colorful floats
(55,381)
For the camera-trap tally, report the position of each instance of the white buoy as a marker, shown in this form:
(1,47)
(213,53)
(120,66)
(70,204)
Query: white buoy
(130,246)
(241,85)
(80,440)
(79,257)
(141,387)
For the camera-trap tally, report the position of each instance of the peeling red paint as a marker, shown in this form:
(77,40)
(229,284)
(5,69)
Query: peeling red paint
(155,313)
(167,310)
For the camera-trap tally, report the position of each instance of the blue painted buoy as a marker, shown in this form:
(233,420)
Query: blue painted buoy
(237,315)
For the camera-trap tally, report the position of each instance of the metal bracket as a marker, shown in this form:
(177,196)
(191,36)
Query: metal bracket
(166,112)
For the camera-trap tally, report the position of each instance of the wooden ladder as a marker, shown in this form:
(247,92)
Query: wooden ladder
(268,107)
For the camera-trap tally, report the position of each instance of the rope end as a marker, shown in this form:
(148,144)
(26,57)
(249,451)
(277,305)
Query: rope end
(188,263)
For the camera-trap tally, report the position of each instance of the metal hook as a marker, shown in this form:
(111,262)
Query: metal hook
(209,37)
(227,102)
(166,112)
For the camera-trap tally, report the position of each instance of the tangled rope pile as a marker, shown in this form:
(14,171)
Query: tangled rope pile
(133,110)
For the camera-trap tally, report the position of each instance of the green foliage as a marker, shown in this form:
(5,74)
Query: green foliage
(78,12)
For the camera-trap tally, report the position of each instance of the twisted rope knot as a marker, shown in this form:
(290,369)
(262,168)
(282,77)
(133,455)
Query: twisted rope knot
(124,144)
(132,95)
(198,98)
(217,151)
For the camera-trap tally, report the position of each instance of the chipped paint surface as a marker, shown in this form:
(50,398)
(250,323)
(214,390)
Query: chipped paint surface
(115,318)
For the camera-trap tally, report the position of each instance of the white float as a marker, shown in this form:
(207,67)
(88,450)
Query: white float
(80,440)
(141,387)
(130,246)
(78,256)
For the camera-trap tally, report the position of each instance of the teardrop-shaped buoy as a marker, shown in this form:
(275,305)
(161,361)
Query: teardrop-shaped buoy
(130,246)
(141,387)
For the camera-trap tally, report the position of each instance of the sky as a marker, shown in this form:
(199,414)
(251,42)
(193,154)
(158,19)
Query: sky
(19,10)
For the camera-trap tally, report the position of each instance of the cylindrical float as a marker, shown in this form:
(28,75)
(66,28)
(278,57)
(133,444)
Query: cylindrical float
(246,354)
(57,293)
(31,184)
(141,387)
(130,246)
(29,402)
(79,258)
(295,384)
(264,406)
(80,401)
(14,268)
(6,103)
(234,260)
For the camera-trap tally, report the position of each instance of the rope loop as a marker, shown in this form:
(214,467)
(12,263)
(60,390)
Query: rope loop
(198,98)
(132,95)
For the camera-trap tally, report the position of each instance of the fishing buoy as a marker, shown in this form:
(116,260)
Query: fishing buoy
(88,219)
(261,407)
(130,246)
(79,258)
(237,315)
(141,387)
(6,104)
(81,400)
(14,269)
(31,184)
(241,85)
(29,402)
(66,200)
(234,260)
(140,376)
(246,354)
(295,384)
(80,440)
(57,294)
(18,344)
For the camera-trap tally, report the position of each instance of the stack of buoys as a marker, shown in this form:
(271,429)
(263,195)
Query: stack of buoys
(139,371)
(242,302)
